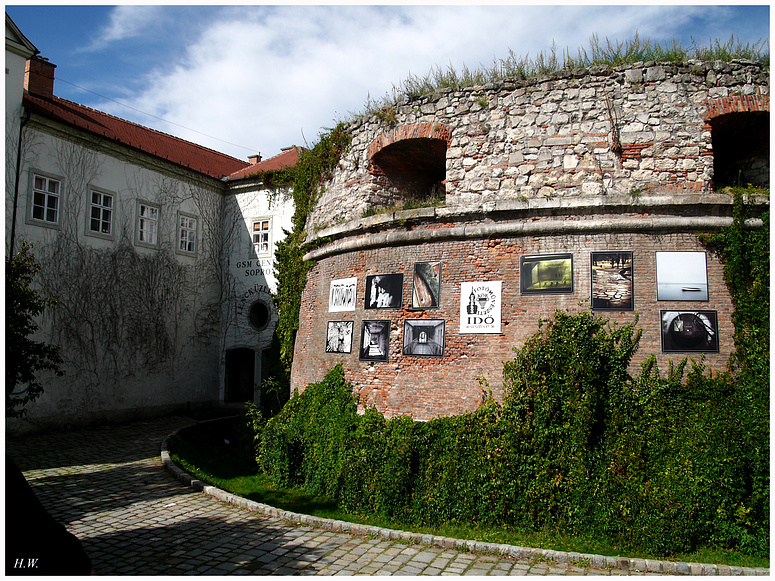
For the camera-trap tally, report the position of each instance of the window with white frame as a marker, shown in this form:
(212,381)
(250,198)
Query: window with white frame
(101,213)
(186,234)
(147,224)
(261,236)
(45,199)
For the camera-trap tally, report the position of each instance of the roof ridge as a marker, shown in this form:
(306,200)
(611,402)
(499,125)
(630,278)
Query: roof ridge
(54,98)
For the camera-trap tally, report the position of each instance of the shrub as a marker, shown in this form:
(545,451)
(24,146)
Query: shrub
(579,446)
(24,357)
(658,464)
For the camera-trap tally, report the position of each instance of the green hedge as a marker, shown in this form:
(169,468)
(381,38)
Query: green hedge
(659,465)
(662,465)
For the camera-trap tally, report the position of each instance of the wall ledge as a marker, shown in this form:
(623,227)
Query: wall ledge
(531,217)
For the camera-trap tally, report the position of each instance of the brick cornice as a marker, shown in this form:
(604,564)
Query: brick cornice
(413,131)
(736,104)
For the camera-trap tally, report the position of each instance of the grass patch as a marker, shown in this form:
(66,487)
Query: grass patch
(220,453)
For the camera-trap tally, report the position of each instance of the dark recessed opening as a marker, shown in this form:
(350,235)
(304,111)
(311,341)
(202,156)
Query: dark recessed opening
(259,315)
(416,168)
(741,149)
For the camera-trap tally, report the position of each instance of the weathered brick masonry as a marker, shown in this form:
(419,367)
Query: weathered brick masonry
(584,161)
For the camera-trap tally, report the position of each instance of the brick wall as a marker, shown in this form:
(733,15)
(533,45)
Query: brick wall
(426,387)
(606,159)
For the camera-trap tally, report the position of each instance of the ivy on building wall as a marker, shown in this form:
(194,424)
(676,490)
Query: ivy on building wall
(579,445)
(315,166)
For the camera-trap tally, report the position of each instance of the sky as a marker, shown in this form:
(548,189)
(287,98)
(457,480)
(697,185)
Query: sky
(245,80)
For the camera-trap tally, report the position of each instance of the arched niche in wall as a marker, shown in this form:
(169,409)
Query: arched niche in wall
(741,148)
(740,133)
(410,162)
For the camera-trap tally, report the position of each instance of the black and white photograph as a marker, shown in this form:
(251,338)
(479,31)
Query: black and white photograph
(339,337)
(689,331)
(426,285)
(682,276)
(375,340)
(384,291)
(341,295)
(546,274)
(424,337)
(612,288)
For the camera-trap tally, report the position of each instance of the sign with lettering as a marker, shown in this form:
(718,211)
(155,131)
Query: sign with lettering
(480,307)
(341,297)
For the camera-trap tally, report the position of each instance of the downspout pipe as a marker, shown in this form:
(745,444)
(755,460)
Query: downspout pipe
(26,118)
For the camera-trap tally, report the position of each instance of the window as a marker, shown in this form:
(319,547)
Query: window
(45,199)
(187,234)
(101,214)
(147,224)
(261,230)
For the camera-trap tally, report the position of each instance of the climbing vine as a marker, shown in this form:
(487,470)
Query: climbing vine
(315,166)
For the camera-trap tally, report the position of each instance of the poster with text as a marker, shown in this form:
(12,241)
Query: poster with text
(480,307)
(341,297)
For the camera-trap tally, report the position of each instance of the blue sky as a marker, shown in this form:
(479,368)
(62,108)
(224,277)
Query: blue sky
(250,79)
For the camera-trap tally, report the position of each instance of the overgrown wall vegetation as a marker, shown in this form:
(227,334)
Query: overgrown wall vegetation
(659,464)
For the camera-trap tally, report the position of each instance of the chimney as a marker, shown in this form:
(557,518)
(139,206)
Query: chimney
(254,159)
(39,77)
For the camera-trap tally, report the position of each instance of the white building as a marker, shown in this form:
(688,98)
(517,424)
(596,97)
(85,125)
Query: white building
(147,243)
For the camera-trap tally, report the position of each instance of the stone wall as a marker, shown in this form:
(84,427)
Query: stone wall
(603,160)
(599,131)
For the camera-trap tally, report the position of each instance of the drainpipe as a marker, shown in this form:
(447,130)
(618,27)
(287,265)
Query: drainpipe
(16,184)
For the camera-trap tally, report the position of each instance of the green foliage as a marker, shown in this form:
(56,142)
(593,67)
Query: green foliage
(24,357)
(651,464)
(314,167)
(579,446)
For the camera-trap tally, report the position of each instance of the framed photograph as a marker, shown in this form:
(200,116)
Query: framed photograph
(682,276)
(375,340)
(339,337)
(611,274)
(426,285)
(384,291)
(341,295)
(424,337)
(546,274)
(480,307)
(689,331)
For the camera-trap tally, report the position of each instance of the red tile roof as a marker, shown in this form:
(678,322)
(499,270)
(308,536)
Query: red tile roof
(150,141)
(287,158)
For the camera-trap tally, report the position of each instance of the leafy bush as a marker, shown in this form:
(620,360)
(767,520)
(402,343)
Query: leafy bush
(24,357)
(661,465)
(579,446)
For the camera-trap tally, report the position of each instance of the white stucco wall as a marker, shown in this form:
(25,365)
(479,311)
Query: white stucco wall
(250,277)
(137,326)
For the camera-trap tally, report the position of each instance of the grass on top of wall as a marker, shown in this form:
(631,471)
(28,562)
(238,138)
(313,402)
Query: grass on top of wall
(599,53)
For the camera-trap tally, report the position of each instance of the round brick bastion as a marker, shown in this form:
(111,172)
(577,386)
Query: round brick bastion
(580,190)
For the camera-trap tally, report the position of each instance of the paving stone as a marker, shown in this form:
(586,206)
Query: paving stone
(108,486)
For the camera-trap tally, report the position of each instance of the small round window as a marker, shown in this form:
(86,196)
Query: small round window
(259,315)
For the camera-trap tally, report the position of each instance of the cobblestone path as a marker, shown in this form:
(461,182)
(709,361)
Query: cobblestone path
(108,486)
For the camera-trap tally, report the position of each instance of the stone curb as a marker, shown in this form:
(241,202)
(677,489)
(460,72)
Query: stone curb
(598,561)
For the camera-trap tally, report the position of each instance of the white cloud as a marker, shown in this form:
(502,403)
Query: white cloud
(259,76)
(127,22)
